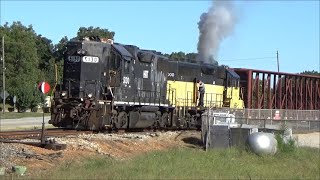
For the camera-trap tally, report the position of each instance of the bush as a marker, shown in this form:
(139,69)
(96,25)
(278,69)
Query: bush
(22,109)
(34,109)
(29,97)
(10,109)
(285,147)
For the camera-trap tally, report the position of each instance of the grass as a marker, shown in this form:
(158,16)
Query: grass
(16,115)
(187,163)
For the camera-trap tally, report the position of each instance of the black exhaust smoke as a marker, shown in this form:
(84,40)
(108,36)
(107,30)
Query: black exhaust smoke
(214,26)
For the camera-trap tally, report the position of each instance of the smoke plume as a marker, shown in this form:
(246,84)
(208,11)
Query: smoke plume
(214,26)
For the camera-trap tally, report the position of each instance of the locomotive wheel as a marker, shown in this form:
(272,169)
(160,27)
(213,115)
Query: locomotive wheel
(164,120)
(190,121)
(121,121)
(181,123)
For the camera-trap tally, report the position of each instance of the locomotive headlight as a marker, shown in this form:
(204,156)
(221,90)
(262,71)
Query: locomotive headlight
(63,94)
(90,95)
(81,52)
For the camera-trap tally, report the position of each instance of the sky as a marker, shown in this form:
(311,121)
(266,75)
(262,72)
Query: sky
(262,28)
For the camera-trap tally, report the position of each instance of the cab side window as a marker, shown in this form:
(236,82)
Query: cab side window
(126,67)
(114,61)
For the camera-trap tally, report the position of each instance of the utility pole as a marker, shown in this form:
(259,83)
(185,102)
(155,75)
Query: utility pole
(278,60)
(3,76)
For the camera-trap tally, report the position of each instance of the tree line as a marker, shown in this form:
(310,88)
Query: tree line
(31,58)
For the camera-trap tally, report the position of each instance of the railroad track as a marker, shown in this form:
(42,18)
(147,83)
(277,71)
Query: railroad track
(60,132)
(35,134)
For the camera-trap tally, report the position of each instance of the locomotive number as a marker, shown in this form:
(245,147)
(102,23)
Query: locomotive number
(74,59)
(90,59)
(145,74)
(126,80)
(170,74)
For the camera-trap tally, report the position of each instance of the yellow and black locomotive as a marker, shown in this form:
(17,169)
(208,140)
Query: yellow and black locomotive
(109,85)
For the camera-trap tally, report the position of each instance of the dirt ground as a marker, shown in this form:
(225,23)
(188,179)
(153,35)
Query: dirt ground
(119,146)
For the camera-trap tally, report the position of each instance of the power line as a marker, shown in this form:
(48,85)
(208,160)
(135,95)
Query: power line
(250,59)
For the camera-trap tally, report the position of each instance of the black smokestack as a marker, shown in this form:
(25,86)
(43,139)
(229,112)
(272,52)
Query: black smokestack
(214,26)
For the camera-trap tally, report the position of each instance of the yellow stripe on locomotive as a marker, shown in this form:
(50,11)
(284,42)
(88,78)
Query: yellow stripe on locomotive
(232,98)
(185,94)
(182,93)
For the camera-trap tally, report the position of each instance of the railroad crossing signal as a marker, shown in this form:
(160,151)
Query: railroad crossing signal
(44,87)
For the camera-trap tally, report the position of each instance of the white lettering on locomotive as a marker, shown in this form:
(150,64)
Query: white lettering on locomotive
(90,59)
(74,59)
(171,74)
(126,80)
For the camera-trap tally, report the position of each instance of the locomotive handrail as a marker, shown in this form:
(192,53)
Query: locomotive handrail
(171,93)
(211,99)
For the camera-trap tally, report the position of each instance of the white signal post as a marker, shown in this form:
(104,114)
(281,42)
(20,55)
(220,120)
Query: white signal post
(44,87)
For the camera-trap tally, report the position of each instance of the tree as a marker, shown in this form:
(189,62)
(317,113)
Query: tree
(22,63)
(44,51)
(178,56)
(58,53)
(192,57)
(91,31)
(60,48)
(187,57)
(313,72)
(46,59)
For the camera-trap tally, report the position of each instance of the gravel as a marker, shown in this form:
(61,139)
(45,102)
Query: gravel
(79,144)
(13,150)
(84,141)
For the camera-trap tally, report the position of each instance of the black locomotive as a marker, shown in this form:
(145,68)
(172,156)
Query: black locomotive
(109,85)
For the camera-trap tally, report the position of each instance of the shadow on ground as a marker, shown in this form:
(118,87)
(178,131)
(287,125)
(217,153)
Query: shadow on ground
(195,142)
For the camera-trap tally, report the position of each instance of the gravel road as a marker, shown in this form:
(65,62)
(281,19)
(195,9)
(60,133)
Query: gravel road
(308,140)
(23,122)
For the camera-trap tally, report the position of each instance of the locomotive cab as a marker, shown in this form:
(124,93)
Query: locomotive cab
(232,90)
